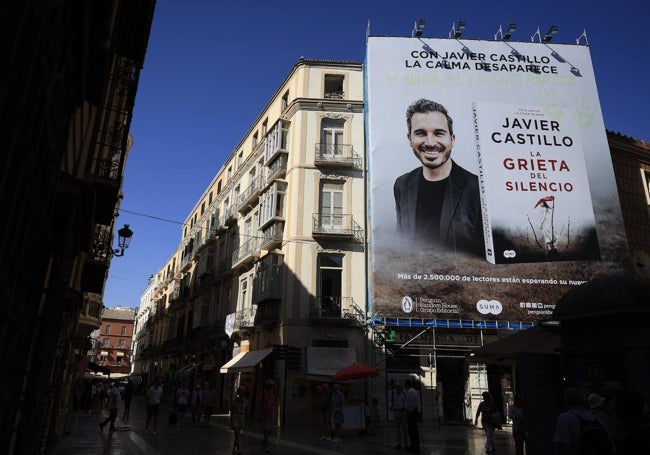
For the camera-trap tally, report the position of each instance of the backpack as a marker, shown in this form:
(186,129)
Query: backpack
(593,438)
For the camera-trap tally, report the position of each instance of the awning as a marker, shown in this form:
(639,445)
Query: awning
(322,362)
(245,362)
(92,366)
(536,340)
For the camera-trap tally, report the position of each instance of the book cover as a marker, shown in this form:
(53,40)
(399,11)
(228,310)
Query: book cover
(535,193)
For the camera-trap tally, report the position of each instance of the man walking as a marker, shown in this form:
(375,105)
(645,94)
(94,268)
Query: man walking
(114,402)
(397,404)
(412,416)
(154,395)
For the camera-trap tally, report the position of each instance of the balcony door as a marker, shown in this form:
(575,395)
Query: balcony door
(331,210)
(332,139)
(330,278)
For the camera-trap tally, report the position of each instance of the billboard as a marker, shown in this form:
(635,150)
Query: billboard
(491,187)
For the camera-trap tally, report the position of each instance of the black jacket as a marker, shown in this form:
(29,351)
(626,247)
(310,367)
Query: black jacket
(461,227)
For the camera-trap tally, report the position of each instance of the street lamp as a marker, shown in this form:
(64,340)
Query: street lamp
(123,240)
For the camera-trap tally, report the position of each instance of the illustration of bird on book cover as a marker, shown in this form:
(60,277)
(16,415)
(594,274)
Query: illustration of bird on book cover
(535,192)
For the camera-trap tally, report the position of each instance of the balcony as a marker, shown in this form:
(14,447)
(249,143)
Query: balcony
(334,95)
(245,319)
(340,226)
(229,216)
(337,155)
(268,313)
(90,314)
(272,235)
(223,268)
(267,283)
(247,252)
(248,197)
(277,169)
(337,310)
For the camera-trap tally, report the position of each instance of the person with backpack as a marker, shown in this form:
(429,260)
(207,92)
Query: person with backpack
(490,419)
(578,431)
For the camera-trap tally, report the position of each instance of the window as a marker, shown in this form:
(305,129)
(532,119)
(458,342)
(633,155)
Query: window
(107,330)
(334,86)
(330,271)
(265,126)
(120,344)
(645,178)
(202,207)
(256,139)
(210,198)
(243,293)
(285,100)
(229,173)
(331,210)
(123,330)
(219,187)
(240,159)
(272,203)
(105,342)
(332,137)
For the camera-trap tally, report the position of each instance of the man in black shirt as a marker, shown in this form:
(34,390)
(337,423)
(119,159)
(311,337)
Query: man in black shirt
(438,202)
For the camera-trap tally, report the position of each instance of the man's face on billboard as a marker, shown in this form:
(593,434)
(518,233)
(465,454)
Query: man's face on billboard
(430,139)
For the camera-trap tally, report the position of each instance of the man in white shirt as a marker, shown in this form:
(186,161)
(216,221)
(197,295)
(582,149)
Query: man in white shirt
(397,404)
(154,396)
(114,402)
(412,416)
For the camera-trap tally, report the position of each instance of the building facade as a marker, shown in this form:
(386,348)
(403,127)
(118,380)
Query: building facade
(66,107)
(269,280)
(270,271)
(112,341)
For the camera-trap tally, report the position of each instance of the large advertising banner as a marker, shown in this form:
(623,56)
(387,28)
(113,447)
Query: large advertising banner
(491,187)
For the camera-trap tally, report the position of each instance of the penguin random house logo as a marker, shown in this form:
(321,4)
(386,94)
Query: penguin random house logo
(407,304)
(489,306)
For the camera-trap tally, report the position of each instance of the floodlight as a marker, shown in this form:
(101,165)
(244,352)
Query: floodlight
(505,36)
(418,27)
(457,32)
(551,31)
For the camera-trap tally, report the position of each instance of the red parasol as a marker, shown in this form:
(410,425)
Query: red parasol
(355,371)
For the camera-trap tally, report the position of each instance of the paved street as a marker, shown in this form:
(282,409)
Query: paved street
(85,438)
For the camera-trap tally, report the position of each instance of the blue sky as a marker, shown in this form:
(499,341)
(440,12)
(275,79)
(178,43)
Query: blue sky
(212,65)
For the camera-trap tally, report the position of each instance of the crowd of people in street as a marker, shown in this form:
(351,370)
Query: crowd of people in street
(616,424)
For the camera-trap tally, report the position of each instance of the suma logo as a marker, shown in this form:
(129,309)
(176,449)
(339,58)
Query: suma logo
(489,306)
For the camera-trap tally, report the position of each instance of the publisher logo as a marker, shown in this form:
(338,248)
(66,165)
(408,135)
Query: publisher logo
(509,254)
(407,304)
(489,306)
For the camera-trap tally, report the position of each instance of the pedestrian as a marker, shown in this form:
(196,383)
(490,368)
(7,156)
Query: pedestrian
(412,416)
(599,407)
(197,403)
(182,401)
(338,403)
(569,436)
(96,397)
(238,415)
(127,394)
(635,436)
(372,415)
(519,431)
(153,398)
(490,420)
(209,402)
(325,412)
(397,404)
(268,405)
(114,402)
